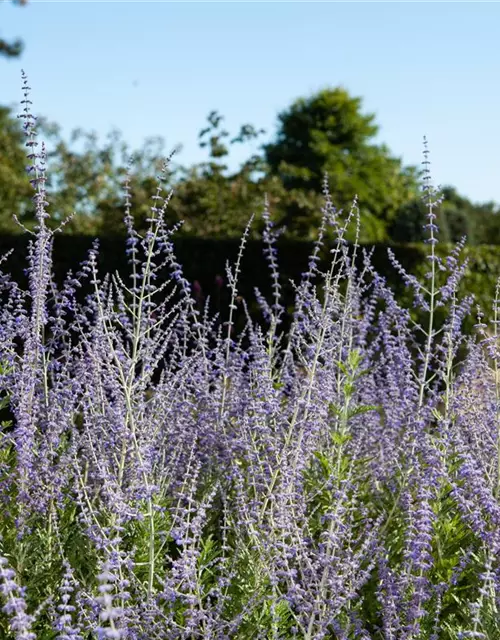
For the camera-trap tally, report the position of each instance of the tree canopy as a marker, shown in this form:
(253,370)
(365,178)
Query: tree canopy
(457,216)
(12,49)
(15,190)
(325,133)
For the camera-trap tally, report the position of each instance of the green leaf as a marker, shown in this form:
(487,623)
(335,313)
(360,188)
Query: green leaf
(342,367)
(325,462)
(334,409)
(349,389)
(354,359)
(340,439)
(364,409)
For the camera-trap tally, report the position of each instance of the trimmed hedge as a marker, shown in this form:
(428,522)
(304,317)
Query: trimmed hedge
(204,259)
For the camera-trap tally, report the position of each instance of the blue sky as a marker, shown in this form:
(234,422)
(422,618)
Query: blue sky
(159,68)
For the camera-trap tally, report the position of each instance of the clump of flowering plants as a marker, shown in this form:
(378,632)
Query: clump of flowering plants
(159,479)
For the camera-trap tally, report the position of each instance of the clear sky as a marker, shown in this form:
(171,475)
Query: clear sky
(159,68)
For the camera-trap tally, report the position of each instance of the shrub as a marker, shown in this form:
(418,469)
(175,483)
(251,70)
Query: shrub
(157,480)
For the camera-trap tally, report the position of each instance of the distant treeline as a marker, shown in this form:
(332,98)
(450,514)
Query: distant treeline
(322,135)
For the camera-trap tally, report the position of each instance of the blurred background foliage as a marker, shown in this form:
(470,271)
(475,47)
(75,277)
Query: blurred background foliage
(324,133)
(12,49)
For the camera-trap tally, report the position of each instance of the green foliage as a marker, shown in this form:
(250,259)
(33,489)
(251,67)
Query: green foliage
(212,203)
(323,134)
(15,190)
(12,49)
(457,217)
(90,182)
(136,537)
(326,133)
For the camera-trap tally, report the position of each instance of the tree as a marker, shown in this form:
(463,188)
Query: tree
(12,49)
(457,216)
(89,182)
(16,192)
(210,202)
(327,133)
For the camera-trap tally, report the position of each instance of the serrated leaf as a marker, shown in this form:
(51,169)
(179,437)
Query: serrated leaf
(342,367)
(354,358)
(340,439)
(334,409)
(324,461)
(363,409)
